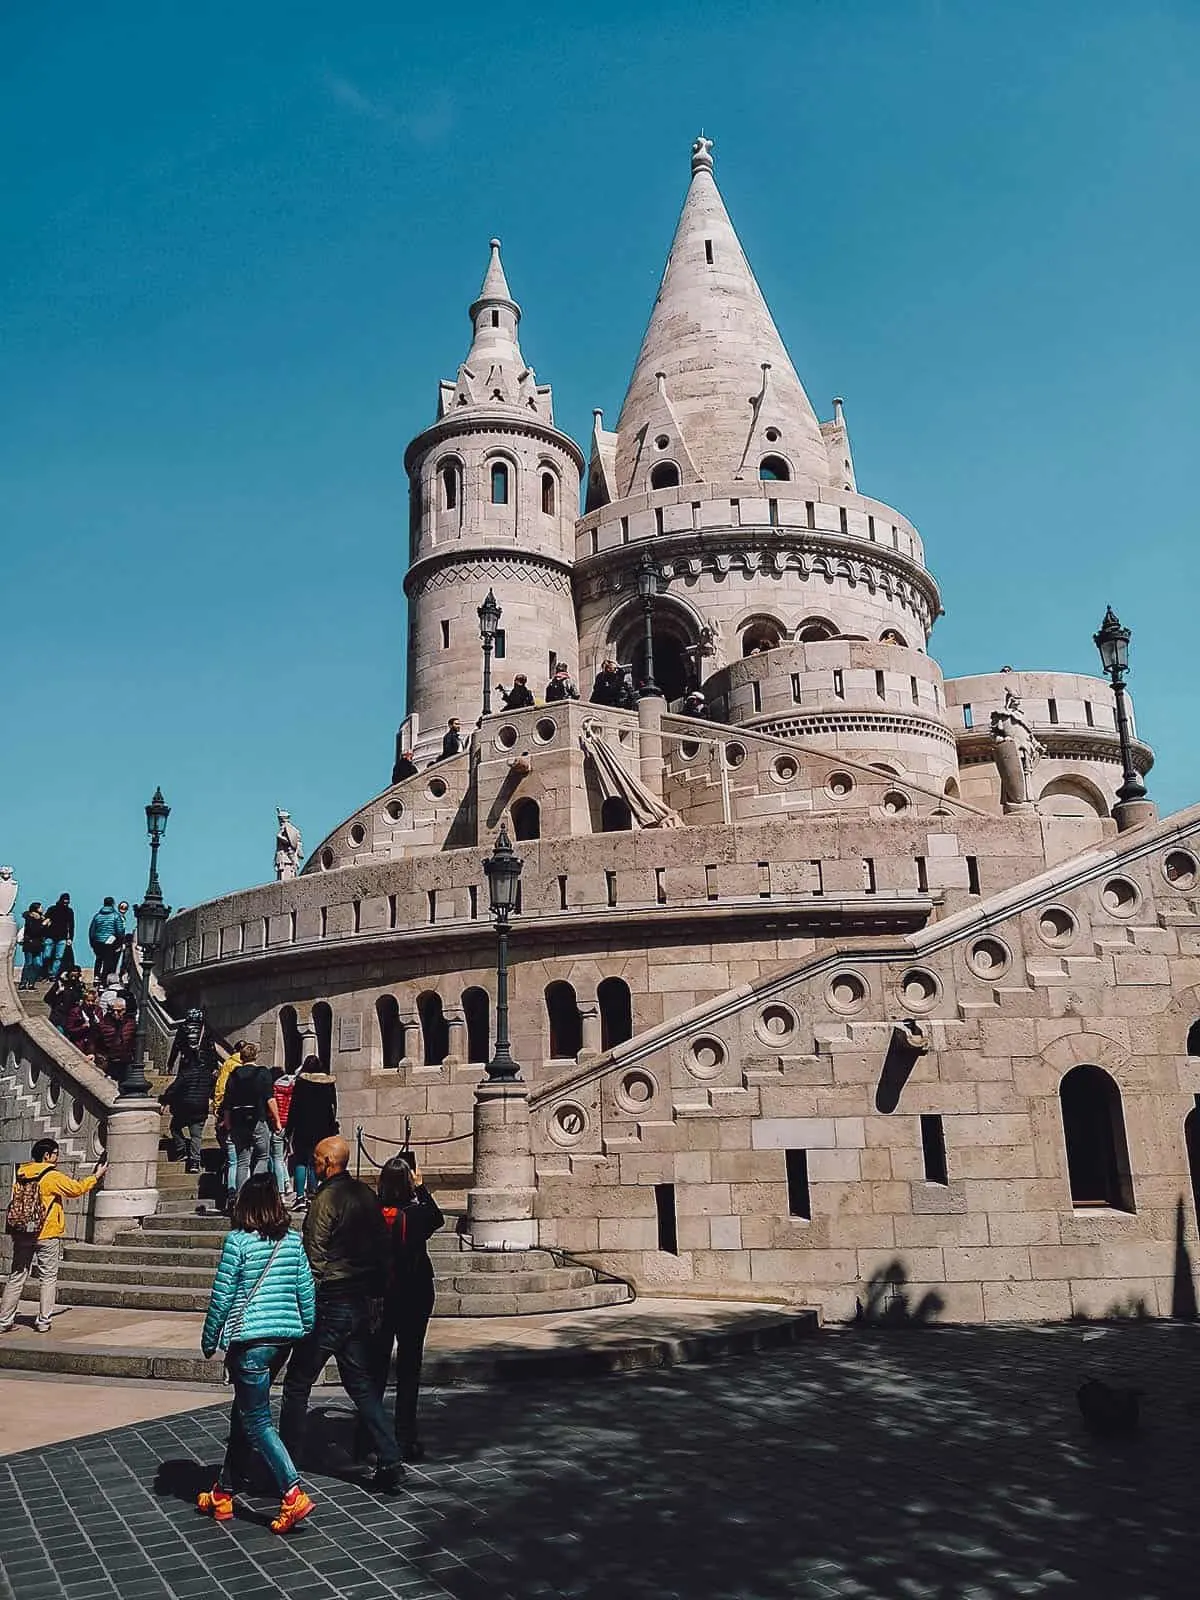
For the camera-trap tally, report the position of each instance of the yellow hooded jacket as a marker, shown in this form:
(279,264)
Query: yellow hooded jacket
(228,1066)
(55,1187)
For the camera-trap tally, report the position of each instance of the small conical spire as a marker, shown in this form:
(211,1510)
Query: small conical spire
(495,290)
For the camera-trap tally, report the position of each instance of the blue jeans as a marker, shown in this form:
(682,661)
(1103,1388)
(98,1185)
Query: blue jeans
(304,1174)
(253,1147)
(343,1331)
(278,1163)
(251,1368)
(229,1151)
(52,956)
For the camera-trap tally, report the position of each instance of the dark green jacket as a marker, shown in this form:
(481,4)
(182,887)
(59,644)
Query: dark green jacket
(345,1238)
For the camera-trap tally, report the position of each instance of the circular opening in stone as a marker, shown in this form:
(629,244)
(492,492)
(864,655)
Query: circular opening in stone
(545,730)
(847,991)
(772,435)
(437,789)
(1119,896)
(706,1056)
(569,1122)
(394,810)
(784,768)
(735,753)
(1180,869)
(776,1023)
(98,1140)
(840,784)
(1056,925)
(918,988)
(326,858)
(894,803)
(507,737)
(75,1116)
(689,749)
(661,442)
(636,1091)
(358,834)
(988,958)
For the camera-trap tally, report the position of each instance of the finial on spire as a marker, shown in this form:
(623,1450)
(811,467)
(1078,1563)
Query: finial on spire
(839,415)
(702,160)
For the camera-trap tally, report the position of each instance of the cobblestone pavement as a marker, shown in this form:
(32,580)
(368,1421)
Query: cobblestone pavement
(947,1463)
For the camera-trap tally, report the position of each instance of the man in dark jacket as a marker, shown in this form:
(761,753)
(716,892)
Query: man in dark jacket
(60,932)
(561,685)
(405,766)
(519,697)
(610,688)
(114,1039)
(346,1243)
(452,740)
(194,1060)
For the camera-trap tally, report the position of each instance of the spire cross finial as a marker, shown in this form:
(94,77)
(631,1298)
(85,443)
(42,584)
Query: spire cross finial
(702,155)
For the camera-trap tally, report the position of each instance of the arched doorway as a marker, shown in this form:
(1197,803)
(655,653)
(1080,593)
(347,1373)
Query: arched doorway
(475,1013)
(676,649)
(391,1030)
(616,1012)
(615,815)
(1191,1139)
(563,1020)
(1094,1131)
(322,1016)
(289,1035)
(526,819)
(435,1035)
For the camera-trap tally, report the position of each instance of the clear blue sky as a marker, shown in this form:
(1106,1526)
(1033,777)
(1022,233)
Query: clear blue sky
(239,244)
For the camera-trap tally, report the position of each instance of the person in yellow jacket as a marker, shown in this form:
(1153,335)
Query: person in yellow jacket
(229,1155)
(45,1250)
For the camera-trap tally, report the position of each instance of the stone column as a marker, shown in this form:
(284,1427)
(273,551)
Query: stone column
(500,1200)
(1134,814)
(589,1016)
(456,1035)
(650,714)
(308,1037)
(130,1188)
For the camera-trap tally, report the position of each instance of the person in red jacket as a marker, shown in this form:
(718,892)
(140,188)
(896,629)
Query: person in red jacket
(281,1155)
(113,1040)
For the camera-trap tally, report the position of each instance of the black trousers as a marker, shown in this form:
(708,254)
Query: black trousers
(343,1334)
(401,1328)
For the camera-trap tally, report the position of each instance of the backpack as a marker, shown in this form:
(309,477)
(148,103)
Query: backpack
(27,1210)
(243,1097)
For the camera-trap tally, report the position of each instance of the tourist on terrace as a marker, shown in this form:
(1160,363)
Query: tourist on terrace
(124,939)
(312,1116)
(405,767)
(65,992)
(104,935)
(60,935)
(34,929)
(36,1223)
(412,1216)
(611,688)
(452,740)
(263,1300)
(250,1114)
(561,686)
(81,1020)
(347,1249)
(519,697)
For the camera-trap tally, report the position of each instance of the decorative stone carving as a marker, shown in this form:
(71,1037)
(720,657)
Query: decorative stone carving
(288,854)
(1017,752)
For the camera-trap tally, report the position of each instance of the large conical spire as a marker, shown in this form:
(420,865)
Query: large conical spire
(495,373)
(698,396)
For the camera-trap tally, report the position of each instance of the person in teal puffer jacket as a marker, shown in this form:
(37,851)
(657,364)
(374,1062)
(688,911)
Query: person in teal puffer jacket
(263,1300)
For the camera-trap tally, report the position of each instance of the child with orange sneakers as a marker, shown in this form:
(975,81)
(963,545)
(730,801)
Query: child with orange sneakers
(263,1300)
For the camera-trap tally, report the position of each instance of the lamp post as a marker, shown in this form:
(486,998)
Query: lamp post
(503,872)
(1112,641)
(489,614)
(649,582)
(151,916)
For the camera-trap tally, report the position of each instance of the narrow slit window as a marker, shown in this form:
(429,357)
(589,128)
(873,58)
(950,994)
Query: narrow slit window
(357,916)
(968,717)
(810,513)
(880,688)
(799,1198)
(839,684)
(756,694)
(324,925)
(495,319)
(708,251)
(548,496)
(562,891)
(432,897)
(658,519)
(972,874)
(818,877)
(499,644)
(668,1229)
(914,691)
(710,882)
(869,874)
(445,635)
(922,875)
(764,880)
(660,886)
(499,484)
(610,883)
(773,513)
(871,529)
(1052,710)
(843,520)
(1089,716)
(450,487)
(933,1149)
(393,911)
(796,687)
(473,901)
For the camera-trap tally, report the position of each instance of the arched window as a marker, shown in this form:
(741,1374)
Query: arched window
(615,815)
(435,1035)
(760,636)
(566,1025)
(391,1030)
(289,1038)
(499,483)
(526,820)
(890,636)
(475,1004)
(548,495)
(616,1012)
(449,475)
(322,1016)
(774,469)
(951,789)
(664,475)
(1094,1129)
(814,630)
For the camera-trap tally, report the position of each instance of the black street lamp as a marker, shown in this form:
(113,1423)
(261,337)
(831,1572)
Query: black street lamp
(151,917)
(503,872)
(649,582)
(1113,644)
(489,614)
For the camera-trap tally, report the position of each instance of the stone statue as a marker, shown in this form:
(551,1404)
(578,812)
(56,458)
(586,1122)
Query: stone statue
(9,889)
(1018,751)
(288,854)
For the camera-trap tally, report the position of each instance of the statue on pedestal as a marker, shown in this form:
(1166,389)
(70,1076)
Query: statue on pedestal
(288,854)
(9,889)
(1018,751)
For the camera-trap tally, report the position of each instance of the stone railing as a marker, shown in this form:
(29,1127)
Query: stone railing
(48,1090)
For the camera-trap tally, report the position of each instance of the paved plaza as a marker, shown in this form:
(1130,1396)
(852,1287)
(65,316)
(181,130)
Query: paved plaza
(938,1462)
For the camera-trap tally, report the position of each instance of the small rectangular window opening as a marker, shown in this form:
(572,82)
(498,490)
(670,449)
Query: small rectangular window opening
(658,519)
(266,931)
(818,877)
(756,694)
(291,927)
(968,717)
(445,635)
(708,251)
(843,520)
(933,1149)
(499,645)
(1089,716)
(595,541)
(518,903)
(393,910)
(473,901)
(610,880)
(796,687)
(1052,710)
(922,876)
(242,936)
(664,1206)
(660,886)
(880,688)
(972,874)
(869,874)
(624,530)
(773,513)
(324,921)
(839,683)
(764,880)
(553,659)
(735,513)
(871,528)
(710,882)
(799,1199)
(431,895)
(562,891)
(810,513)
(912,685)
(495,319)
(358,916)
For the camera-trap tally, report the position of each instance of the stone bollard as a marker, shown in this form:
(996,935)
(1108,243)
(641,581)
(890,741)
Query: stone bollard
(1134,814)
(500,1201)
(650,710)
(129,1192)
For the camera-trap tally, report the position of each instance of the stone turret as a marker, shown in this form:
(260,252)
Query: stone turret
(494,494)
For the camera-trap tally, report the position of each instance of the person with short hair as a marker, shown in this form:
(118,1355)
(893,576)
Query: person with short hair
(60,935)
(405,766)
(114,1040)
(562,685)
(251,1115)
(610,687)
(519,697)
(103,935)
(312,1116)
(40,1248)
(263,1300)
(34,928)
(452,739)
(346,1245)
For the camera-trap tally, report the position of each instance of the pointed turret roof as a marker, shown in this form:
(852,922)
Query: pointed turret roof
(494,372)
(704,352)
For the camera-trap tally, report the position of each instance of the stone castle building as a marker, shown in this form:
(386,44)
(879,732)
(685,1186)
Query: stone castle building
(862,988)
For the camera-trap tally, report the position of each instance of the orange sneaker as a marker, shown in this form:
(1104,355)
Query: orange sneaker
(216,1503)
(293,1508)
